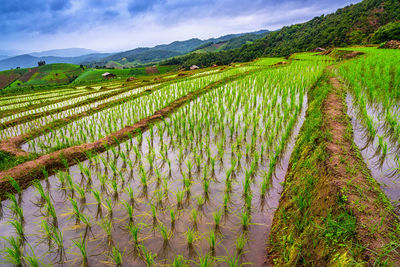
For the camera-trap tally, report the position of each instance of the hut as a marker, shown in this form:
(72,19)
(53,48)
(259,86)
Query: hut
(194,67)
(108,75)
(319,49)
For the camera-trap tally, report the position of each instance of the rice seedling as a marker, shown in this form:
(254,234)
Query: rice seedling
(81,192)
(245,220)
(179,261)
(206,185)
(179,198)
(217,216)
(108,204)
(129,210)
(148,256)
(13,251)
(240,243)
(190,236)
(134,232)
(81,245)
(212,239)
(200,201)
(130,193)
(231,260)
(115,188)
(15,208)
(206,260)
(19,229)
(106,225)
(14,184)
(153,212)
(75,211)
(57,238)
(166,235)
(116,256)
(172,215)
(32,260)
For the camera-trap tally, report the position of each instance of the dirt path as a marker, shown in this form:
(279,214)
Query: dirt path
(363,191)
(26,172)
(331,211)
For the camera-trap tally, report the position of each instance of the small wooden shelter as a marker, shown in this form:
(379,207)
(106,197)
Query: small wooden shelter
(108,75)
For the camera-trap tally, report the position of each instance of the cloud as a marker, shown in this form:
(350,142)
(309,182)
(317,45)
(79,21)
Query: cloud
(126,24)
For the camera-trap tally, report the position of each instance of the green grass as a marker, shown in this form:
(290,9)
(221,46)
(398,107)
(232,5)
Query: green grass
(8,161)
(308,234)
(92,75)
(51,74)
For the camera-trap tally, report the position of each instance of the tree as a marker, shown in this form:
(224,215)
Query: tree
(41,63)
(390,31)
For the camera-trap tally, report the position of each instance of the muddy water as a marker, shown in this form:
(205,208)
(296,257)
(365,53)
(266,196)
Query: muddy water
(262,209)
(161,193)
(382,169)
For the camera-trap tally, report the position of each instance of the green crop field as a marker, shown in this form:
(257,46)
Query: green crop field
(94,75)
(190,168)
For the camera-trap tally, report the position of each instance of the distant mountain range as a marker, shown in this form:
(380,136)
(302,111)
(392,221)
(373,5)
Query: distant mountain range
(130,58)
(28,61)
(147,55)
(68,52)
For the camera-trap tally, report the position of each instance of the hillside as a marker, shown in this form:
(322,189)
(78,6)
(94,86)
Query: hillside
(145,55)
(67,52)
(28,61)
(235,42)
(354,24)
(50,74)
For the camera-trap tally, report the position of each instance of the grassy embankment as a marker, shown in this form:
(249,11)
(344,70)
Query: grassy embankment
(332,212)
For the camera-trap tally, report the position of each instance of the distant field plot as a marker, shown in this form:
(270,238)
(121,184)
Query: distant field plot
(91,75)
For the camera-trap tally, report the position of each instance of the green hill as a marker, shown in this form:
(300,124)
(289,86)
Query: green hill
(233,43)
(95,75)
(354,24)
(50,74)
(146,55)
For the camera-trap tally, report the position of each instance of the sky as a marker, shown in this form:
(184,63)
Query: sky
(116,25)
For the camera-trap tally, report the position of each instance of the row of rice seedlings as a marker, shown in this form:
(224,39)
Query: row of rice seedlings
(68,102)
(79,108)
(15,99)
(373,81)
(19,105)
(193,132)
(117,117)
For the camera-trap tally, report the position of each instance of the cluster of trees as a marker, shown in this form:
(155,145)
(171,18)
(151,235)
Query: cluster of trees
(41,63)
(354,24)
(390,31)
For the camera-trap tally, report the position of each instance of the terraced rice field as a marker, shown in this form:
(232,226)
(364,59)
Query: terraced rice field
(187,171)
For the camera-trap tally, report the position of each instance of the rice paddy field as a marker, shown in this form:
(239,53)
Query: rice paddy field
(198,175)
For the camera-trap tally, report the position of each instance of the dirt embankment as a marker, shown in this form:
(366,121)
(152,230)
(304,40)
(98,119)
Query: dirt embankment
(26,172)
(332,212)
